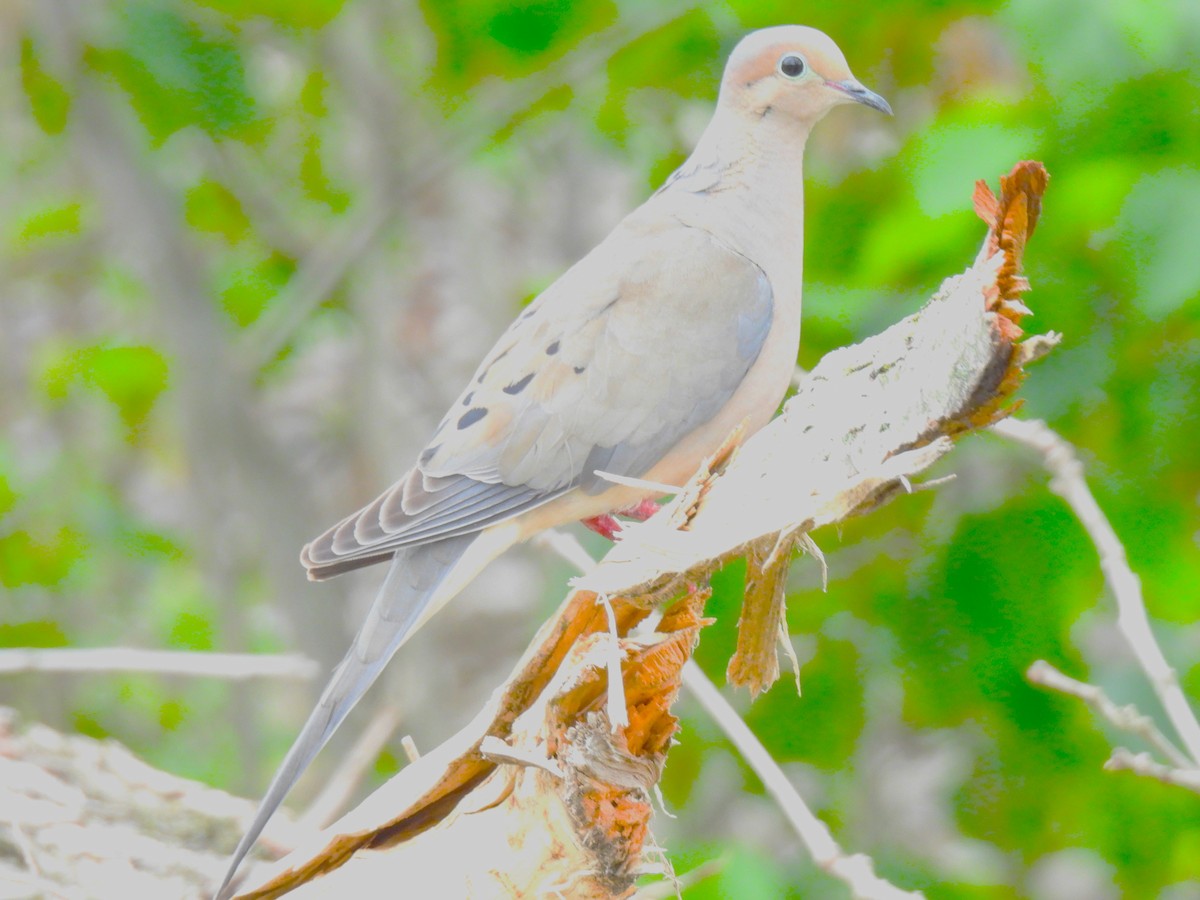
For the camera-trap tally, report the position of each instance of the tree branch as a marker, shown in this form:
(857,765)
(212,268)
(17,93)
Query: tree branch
(1068,482)
(539,786)
(1126,718)
(228,666)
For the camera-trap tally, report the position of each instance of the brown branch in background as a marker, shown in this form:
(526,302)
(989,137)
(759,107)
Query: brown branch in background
(1132,619)
(86,814)
(227,666)
(539,786)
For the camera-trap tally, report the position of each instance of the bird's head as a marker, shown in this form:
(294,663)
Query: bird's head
(794,71)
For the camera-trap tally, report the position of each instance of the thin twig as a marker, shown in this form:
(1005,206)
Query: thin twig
(855,870)
(673,886)
(1126,718)
(229,666)
(1068,482)
(340,787)
(1142,764)
(618,712)
(410,748)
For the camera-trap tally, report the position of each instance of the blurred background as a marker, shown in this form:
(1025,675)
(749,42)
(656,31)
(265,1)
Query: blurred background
(251,249)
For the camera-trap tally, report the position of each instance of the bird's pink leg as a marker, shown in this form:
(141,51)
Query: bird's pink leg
(607,525)
(644,510)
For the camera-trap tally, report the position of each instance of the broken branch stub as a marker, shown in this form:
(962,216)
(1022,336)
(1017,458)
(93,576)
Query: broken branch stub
(566,807)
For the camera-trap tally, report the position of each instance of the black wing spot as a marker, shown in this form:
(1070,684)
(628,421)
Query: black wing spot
(471,416)
(467,399)
(579,370)
(429,453)
(517,386)
(552,349)
(499,356)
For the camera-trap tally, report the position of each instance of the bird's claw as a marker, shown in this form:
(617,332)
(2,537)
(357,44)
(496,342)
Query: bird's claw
(607,525)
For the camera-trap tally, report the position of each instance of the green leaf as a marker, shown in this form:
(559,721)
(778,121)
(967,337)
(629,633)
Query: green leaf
(480,39)
(49,100)
(53,221)
(27,559)
(177,76)
(191,632)
(172,713)
(42,633)
(211,207)
(316,180)
(528,28)
(132,378)
(292,13)
(246,291)
(8,497)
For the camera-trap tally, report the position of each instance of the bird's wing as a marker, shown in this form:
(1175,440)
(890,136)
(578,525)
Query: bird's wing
(639,343)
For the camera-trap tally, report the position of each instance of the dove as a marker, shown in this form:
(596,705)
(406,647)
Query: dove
(632,367)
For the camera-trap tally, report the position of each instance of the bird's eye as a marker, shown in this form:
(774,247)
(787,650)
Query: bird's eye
(792,66)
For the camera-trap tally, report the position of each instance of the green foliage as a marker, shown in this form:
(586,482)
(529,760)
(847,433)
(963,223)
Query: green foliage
(288,13)
(130,377)
(48,100)
(176,75)
(479,38)
(139,436)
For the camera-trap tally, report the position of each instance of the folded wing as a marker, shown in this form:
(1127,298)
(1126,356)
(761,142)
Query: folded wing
(635,346)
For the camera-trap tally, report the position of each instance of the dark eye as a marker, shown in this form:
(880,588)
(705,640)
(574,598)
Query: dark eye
(792,66)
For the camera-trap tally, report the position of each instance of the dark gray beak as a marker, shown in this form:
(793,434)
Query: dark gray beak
(860,94)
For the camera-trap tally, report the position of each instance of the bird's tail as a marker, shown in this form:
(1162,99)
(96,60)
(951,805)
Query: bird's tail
(419,582)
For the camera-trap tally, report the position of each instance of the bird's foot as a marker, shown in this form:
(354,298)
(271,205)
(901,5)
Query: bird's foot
(642,511)
(607,525)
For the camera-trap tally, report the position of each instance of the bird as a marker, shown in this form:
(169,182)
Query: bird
(625,373)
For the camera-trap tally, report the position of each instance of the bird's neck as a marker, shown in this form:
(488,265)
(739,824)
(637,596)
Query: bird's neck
(745,182)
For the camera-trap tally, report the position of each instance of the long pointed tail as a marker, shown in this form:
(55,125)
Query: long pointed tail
(415,588)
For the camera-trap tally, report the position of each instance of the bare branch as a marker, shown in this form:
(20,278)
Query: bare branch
(83,813)
(411,753)
(1142,764)
(1127,718)
(1068,482)
(228,666)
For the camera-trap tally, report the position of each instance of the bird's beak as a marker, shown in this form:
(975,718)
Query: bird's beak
(856,92)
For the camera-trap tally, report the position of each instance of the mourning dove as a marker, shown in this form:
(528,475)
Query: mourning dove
(639,361)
